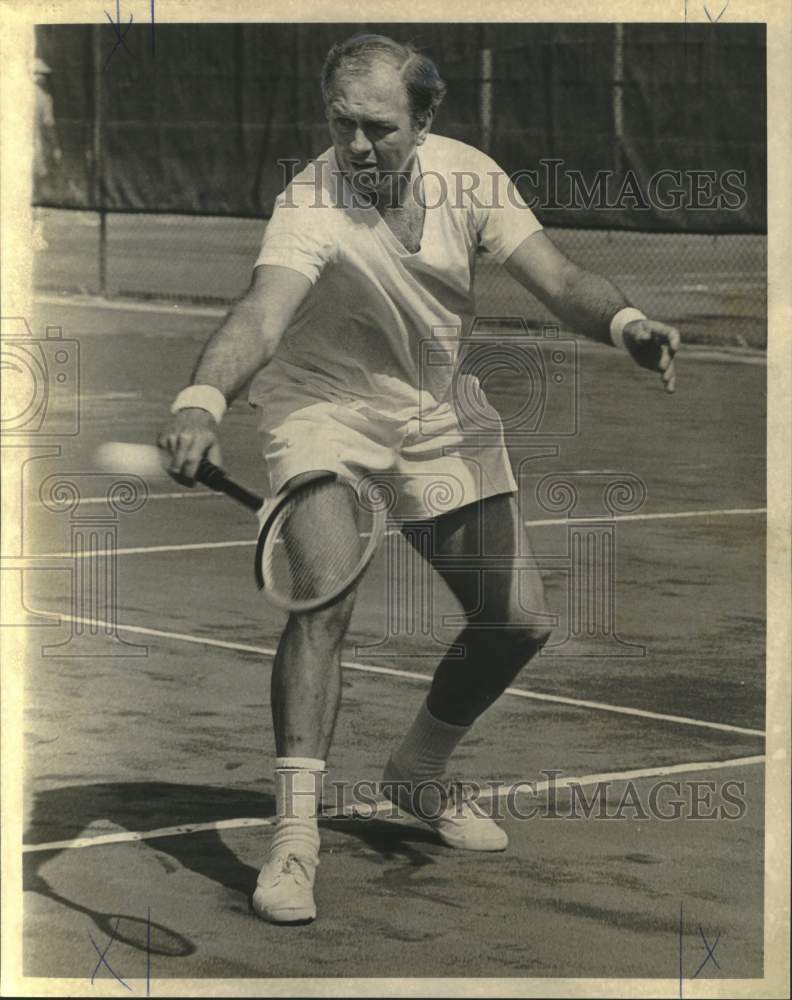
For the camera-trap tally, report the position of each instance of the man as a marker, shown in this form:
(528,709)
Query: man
(47,152)
(368,254)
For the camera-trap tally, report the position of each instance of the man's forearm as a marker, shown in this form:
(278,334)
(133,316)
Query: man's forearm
(583,301)
(235,352)
(588,302)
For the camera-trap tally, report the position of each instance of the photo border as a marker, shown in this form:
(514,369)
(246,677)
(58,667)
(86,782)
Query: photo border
(16,48)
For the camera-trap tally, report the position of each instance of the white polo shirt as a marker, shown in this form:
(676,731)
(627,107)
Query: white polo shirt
(374,308)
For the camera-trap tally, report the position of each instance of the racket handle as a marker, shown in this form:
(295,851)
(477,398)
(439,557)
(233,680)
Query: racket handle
(212,476)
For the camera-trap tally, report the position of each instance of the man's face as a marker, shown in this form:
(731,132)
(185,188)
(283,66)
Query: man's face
(371,128)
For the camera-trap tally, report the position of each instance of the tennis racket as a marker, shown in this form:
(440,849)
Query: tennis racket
(297,567)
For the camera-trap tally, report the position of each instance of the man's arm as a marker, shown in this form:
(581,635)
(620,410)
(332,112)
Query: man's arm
(246,341)
(588,302)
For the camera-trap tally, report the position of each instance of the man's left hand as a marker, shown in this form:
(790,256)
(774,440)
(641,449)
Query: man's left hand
(653,346)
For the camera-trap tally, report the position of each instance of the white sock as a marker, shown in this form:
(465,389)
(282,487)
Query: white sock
(426,749)
(298,791)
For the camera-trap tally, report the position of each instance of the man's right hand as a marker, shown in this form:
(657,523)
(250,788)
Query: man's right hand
(187,437)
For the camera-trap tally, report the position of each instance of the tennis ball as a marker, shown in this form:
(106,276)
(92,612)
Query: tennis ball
(140,459)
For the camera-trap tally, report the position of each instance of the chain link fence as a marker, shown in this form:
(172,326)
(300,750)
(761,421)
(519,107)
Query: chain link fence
(197,125)
(712,286)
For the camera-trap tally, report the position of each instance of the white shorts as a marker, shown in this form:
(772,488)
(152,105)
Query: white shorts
(427,464)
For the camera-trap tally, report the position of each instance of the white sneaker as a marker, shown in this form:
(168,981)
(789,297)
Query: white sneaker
(461,823)
(284,890)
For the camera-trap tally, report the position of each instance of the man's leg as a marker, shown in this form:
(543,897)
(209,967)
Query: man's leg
(306,692)
(507,624)
(306,680)
(508,621)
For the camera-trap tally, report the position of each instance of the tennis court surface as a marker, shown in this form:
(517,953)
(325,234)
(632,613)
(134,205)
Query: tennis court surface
(149,753)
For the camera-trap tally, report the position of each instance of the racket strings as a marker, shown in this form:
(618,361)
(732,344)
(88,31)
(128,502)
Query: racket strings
(316,542)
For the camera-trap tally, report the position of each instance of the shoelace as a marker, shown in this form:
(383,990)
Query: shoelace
(460,799)
(461,795)
(295,867)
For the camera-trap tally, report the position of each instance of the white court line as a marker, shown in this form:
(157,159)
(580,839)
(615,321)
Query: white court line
(721,286)
(129,305)
(714,286)
(735,276)
(186,495)
(177,309)
(193,546)
(369,668)
(517,788)
(728,282)
(90,553)
(659,516)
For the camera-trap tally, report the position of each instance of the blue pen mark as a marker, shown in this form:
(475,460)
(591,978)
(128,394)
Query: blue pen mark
(710,18)
(120,36)
(121,30)
(103,958)
(681,931)
(709,948)
(148,931)
(114,936)
(714,20)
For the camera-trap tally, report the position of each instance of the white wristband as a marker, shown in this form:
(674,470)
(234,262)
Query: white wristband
(203,397)
(620,320)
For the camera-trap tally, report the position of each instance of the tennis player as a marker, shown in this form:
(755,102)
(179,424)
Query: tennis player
(370,252)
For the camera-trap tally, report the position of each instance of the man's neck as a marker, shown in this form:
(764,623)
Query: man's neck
(399,190)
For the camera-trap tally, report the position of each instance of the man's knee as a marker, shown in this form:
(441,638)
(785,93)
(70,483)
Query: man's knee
(525,631)
(525,635)
(325,626)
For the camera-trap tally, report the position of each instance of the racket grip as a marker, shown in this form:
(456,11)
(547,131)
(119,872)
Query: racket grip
(215,478)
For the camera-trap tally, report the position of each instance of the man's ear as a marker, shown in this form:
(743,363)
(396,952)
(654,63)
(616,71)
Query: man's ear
(424,130)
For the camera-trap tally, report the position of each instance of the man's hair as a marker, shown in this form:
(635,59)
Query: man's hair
(425,88)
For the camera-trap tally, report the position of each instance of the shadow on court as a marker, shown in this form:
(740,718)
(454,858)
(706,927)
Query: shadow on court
(64,813)
(141,807)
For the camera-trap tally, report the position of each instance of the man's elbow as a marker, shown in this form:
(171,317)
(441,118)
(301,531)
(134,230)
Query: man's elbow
(570,278)
(260,328)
